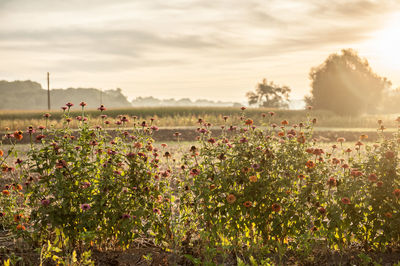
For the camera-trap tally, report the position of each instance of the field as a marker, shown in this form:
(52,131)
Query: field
(174,117)
(263,191)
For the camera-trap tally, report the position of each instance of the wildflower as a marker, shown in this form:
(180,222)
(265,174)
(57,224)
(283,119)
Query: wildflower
(322,210)
(18,135)
(247,204)
(82,104)
(285,122)
(346,200)
(231,198)
(253,178)
(301,139)
(388,215)
(6,192)
(243,108)
(211,140)
(85,207)
(310,164)
(69,105)
(301,176)
(332,181)
(248,122)
(45,202)
(194,172)
(64,108)
(363,137)
(372,177)
(396,192)
(40,137)
(101,108)
(21,227)
(359,143)
(18,217)
(341,140)
(243,140)
(276,207)
(46,115)
(157,211)
(389,155)
(125,216)
(379,184)
(1,153)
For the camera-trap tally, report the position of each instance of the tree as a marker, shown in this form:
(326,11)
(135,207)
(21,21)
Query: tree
(269,94)
(346,84)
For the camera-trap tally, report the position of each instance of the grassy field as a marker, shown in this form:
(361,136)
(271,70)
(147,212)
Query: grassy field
(188,117)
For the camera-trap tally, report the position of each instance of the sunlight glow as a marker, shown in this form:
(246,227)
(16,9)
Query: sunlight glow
(387,42)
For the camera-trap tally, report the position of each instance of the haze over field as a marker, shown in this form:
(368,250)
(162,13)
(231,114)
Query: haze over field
(204,49)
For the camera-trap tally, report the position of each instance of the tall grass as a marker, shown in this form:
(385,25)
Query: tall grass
(188,116)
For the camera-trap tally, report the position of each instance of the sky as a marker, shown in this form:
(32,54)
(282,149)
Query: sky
(197,49)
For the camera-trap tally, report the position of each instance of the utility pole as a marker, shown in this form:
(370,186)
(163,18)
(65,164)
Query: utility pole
(48,91)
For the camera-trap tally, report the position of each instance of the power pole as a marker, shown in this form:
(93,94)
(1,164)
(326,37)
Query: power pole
(48,91)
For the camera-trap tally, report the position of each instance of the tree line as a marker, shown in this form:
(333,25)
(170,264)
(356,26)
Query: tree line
(344,83)
(29,95)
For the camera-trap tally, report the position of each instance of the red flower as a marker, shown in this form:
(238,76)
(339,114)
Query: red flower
(396,192)
(248,122)
(346,200)
(332,182)
(18,135)
(247,204)
(310,164)
(372,177)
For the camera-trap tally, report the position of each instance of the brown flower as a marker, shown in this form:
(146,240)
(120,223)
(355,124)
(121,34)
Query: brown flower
(247,204)
(276,207)
(231,198)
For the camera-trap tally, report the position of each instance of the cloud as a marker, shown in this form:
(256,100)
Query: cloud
(197,35)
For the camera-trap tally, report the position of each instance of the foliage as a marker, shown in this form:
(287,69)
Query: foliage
(254,193)
(269,94)
(29,95)
(346,84)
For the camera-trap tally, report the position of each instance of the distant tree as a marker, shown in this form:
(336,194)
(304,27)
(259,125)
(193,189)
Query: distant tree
(346,84)
(269,94)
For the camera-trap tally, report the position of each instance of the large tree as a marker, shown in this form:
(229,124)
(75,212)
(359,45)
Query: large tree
(346,84)
(269,94)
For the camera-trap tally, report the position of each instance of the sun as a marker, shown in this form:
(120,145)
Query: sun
(387,43)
